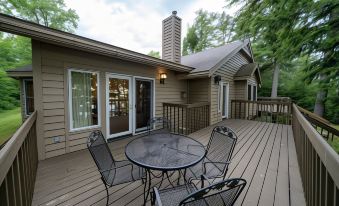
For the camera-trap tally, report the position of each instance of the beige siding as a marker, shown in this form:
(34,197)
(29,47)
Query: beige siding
(55,62)
(198,90)
(226,71)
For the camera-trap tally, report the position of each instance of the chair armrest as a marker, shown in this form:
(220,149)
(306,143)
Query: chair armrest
(157,196)
(225,164)
(112,168)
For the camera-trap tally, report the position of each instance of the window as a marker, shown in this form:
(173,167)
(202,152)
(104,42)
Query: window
(254,93)
(251,92)
(83,99)
(28,96)
(219,97)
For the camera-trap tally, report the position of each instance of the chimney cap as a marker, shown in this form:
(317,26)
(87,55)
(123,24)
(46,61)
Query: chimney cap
(174,12)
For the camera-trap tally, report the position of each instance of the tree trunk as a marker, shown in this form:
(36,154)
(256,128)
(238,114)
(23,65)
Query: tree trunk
(319,106)
(275,80)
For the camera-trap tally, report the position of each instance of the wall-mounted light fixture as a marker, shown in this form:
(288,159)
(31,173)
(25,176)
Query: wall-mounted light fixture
(217,79)
(163,76)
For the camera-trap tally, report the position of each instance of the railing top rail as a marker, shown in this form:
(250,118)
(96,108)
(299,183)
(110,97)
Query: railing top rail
(327,155)
(313,116)
(11,148)
(261,102)
(200,104)
(274,98)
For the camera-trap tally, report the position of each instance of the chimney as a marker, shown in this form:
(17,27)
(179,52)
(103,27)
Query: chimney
(171,38)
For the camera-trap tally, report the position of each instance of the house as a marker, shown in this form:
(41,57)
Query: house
(80,84)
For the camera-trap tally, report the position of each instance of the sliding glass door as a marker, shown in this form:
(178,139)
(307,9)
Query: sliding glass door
(143,103)
(119,105)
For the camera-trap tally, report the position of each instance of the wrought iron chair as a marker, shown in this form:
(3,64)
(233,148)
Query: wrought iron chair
(158,125)
(223,193)
(112,172)
(218,155)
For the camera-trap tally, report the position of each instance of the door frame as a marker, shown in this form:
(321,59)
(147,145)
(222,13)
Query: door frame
(227,98)
(135,101)
(130,102)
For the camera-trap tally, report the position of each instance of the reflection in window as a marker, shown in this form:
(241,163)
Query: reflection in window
(84,99)
(118,97)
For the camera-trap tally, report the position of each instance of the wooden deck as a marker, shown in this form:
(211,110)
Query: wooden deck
(264,155)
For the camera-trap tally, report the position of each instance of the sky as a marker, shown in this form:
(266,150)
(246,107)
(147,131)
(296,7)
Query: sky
(136,24)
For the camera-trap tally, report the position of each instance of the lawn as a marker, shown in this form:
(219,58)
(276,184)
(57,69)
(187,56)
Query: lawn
(335,142)
(9,122)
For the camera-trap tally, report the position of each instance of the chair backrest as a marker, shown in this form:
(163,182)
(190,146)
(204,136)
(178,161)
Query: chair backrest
(223,193)
(101,154)
(221,144)
(157,125)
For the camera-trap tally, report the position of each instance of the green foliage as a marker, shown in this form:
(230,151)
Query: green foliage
(155,54)
(208,30)
(51,13)
(16,51)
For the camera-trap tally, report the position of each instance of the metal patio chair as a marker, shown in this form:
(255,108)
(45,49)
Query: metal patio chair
(218,155)
(112,172)
(158,125)
(223,193)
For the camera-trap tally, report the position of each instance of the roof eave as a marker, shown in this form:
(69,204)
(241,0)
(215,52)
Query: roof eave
(52,36)
(19,74)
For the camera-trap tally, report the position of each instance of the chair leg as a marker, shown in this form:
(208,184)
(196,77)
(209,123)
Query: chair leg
(107,195)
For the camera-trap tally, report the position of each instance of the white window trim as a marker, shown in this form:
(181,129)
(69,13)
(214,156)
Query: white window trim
(71,129)
(228,95)
(219,97)
(251,86)
(24,96)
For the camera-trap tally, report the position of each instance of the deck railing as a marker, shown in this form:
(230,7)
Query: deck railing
(187,118)
(318,163)
(322,125)
(18,165)
(267,110)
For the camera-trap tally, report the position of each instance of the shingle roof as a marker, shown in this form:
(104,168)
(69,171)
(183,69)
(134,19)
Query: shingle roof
(205,60)
(26,68)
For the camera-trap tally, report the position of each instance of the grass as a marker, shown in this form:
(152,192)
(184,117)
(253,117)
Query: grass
(10,121)
(335,142)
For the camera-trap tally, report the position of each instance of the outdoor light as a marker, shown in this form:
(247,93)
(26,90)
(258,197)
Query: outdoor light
(217,79)
(163,76)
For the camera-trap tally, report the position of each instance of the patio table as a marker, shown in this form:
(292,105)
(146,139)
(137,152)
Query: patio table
(164,152)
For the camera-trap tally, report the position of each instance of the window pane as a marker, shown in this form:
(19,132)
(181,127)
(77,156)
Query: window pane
(84,99)
(248,92)
(254,93)
(29,97)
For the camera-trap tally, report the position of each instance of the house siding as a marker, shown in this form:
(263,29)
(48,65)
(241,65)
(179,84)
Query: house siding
(56,137)
(227,72)
(198,90)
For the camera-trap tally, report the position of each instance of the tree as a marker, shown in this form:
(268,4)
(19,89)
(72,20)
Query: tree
(16,51)
(50,13)
(320,39)
(155,54)
(224,28)
(269,24)
(200,35)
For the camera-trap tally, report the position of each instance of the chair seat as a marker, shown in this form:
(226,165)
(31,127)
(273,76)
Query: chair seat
(124,173)
(196,171)
(173,196)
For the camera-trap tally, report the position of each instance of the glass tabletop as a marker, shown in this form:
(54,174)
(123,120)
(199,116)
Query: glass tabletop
(165,151)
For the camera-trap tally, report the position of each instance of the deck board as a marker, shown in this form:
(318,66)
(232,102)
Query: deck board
(264,155)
